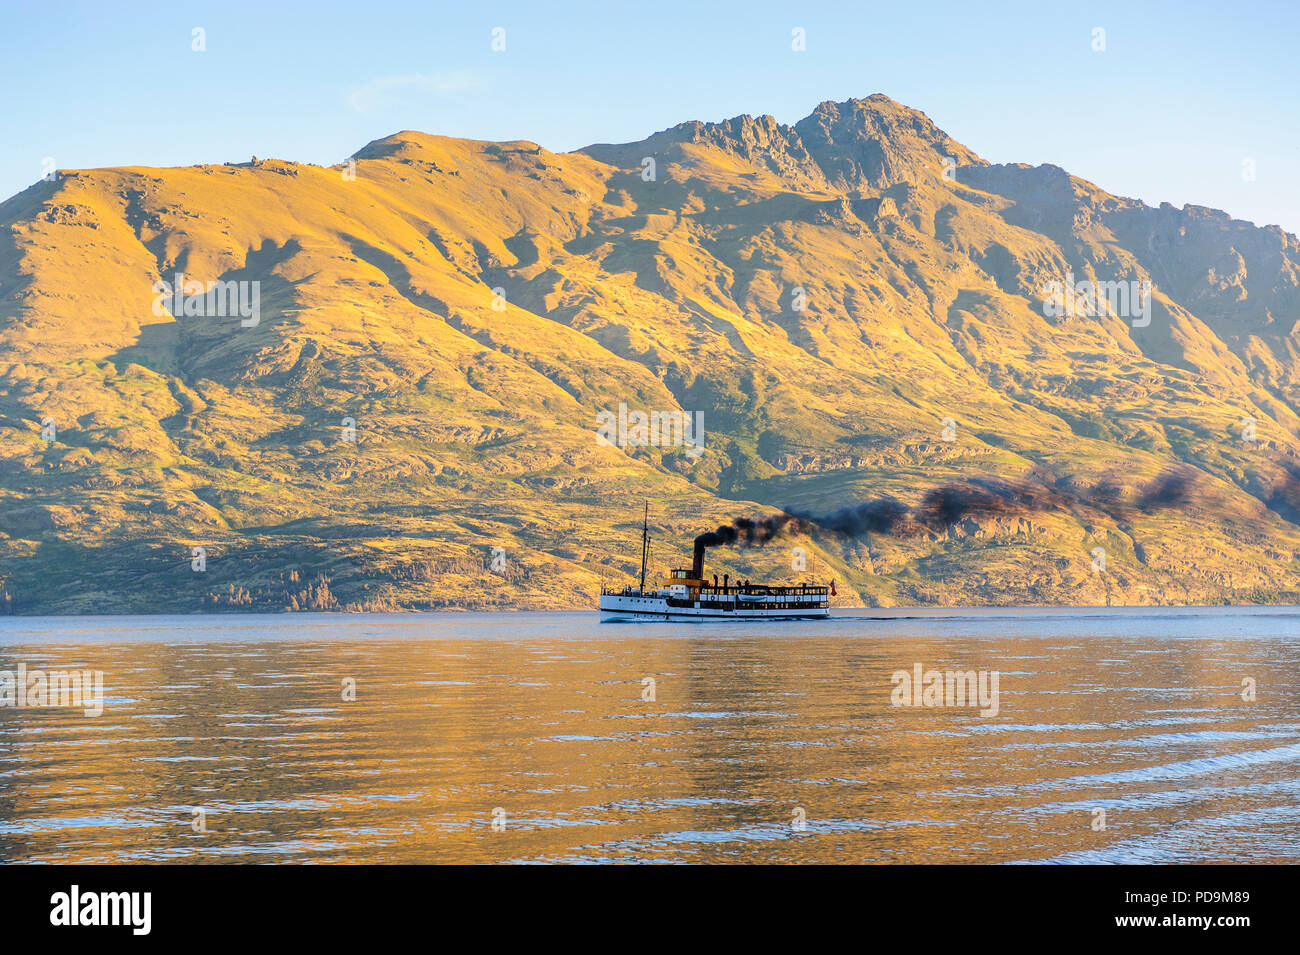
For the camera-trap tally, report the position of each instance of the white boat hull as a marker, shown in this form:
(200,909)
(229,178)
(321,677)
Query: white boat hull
(623,608)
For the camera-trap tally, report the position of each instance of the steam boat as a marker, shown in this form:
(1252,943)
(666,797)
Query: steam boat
(689,596)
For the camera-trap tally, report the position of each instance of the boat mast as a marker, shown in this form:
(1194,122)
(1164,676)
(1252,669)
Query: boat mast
(645,543)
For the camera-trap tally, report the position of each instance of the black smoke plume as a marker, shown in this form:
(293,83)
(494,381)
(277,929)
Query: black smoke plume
(1170,489)
(747,532)
(953,502)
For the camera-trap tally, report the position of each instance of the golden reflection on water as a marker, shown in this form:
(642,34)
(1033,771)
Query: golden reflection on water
(748,726)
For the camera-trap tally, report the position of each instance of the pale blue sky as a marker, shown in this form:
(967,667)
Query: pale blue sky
(1182,94)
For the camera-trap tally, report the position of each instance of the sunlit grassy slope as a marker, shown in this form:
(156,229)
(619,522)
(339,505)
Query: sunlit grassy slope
(475,426)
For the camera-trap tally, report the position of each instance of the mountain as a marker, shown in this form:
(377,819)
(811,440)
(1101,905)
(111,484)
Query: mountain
(857,307)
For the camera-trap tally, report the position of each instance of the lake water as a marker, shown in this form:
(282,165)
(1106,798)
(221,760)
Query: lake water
(764,742)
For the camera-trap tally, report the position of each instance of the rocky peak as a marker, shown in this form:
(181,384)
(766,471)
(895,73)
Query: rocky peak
(877,143)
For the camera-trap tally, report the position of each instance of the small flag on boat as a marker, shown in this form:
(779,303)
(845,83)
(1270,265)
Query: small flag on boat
(833,588)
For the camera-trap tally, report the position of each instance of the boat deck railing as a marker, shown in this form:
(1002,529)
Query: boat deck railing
(731,590)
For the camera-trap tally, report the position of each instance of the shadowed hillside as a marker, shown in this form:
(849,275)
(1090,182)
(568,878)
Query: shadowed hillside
(859,308)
